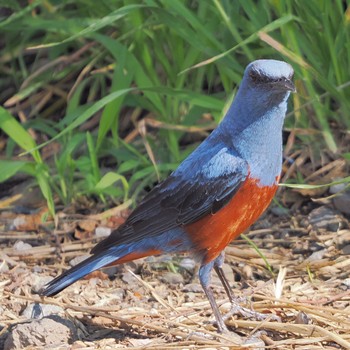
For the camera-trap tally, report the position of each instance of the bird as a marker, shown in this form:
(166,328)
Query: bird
(214,195)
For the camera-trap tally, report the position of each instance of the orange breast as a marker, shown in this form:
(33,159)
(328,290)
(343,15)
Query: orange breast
(213,233)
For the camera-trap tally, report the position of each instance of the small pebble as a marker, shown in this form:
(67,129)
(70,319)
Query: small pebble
(172,278)
(256,342)
(346,249)
(228,273)
(342,202)
(279,211)
(324,218)
(188,264)
(193,287)
(102,232)
(129,278)
(78,259)
(37,269)
(4,267)
(247,272)
(44,310)
(346,282)
(302,318)
(111,271)
(337,188)
(21,247)
(317,256)
(154,312)
(39,281)
(119,293)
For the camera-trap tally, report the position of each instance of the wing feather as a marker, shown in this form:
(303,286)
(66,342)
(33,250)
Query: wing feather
(182,199)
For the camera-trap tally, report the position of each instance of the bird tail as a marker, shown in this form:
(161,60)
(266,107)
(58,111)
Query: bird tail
(113,256)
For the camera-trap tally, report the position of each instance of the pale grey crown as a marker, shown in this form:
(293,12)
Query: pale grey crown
(276,74)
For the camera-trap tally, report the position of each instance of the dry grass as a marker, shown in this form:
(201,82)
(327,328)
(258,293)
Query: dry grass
(312,298)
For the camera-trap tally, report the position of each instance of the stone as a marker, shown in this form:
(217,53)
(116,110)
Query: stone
(48,332)
(193,288)
(102,232)
(342,202)
(188,264)
(38,310)
(172,278)
(324,218)
(39,281)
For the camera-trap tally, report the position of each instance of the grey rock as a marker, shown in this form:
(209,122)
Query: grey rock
(188,264)
(337,188)
(254,341)
(4,267)
(129,278)
(346,249)
(228,273)
(102,232)
(302,318)
(78,259)
(38,310)
(52,331)
(119,293)
(317,256)
(38,282)
(21,247)
(346,282)
(324,218)
(193,288)
(172,278)
(37,269)
(342,202)
(111,271)
(279,211)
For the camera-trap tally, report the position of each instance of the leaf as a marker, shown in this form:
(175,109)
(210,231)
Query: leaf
(12,167)
(43,177)
(17,15)
(88,113)
(305,186)
(109,179)
(97,24)
(18,134)
(268,28)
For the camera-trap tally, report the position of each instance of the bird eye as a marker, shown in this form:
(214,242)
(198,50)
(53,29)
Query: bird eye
(253,76)
(258,78)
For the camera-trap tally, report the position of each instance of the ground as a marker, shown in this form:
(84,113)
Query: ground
(157,302)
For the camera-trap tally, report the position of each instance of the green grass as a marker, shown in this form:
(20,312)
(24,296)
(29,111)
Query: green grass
(65,64)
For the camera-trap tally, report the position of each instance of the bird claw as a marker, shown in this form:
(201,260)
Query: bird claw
(237,309)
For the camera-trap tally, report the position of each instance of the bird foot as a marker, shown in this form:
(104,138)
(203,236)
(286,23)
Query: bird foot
(237,309)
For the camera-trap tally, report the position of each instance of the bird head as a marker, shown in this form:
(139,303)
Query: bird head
(263,94)
(270,76)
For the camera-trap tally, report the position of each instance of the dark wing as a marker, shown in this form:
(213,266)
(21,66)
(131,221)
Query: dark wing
(183,198)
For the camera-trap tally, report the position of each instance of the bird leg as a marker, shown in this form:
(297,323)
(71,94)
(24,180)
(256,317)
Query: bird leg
(235,307)
(204,278)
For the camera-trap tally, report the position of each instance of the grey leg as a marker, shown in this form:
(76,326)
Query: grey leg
(204,278)
(218,262)
(235,307)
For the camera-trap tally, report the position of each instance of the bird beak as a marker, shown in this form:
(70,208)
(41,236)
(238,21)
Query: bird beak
(289,85)
(283,85)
